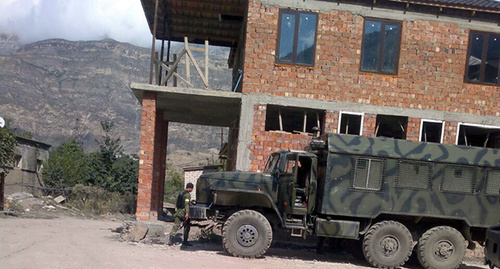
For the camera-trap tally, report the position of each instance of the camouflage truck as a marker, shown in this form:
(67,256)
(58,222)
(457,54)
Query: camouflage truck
(393,196)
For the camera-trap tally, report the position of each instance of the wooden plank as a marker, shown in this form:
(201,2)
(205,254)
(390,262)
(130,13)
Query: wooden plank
(206,61)
(205,81)
(174,67)
(188,68)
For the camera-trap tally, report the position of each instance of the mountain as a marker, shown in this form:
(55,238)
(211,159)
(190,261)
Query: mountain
(58,89)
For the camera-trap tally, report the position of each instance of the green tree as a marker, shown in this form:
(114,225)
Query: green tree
(67,166)
(174,183)
(111,169)
(8,144)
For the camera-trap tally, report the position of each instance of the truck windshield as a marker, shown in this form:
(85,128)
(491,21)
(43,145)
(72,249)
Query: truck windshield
(272,163)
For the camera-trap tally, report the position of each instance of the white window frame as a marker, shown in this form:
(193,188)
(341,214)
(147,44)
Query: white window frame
(473,125)
(432,121)
(351,113)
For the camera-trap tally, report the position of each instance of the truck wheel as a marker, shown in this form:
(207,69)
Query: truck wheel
(247,234)
(441,247)
(387,244)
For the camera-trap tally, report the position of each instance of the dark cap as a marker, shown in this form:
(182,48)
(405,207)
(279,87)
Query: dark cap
(189,185)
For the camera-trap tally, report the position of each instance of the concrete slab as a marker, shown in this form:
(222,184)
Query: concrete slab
(194,106)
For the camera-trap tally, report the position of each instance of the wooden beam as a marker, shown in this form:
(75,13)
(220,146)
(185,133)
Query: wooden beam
(188,68)
(206,61)
(153,43)
(193,60)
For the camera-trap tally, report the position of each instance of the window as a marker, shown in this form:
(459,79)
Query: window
(414,175)
(293,120)
(431,131)
(492,183)
(351,123)
(368,174)
(478,135)
(458,179)
(380,51)
(391,126)
(18,163)
(297,37)
(39,165)
(483,58)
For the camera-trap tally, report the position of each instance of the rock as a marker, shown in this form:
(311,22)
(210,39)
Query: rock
(59,199)
(137,233)
(49,207)
(19,196)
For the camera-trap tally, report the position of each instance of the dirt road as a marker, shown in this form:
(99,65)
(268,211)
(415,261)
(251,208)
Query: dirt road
(77,243)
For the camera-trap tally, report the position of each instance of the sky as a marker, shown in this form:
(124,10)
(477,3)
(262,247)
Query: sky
(34,20)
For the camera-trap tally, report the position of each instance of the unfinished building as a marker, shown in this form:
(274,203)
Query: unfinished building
(418,70)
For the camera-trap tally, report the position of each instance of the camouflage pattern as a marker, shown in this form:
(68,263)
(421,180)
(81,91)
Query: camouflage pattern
(337,228)
(341,199)
(418,151)
(491,251)
(336,207)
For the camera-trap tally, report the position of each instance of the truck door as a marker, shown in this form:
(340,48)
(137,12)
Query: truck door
(305,185)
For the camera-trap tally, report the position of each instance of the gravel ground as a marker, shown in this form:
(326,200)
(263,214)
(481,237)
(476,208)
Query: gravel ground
(68,242)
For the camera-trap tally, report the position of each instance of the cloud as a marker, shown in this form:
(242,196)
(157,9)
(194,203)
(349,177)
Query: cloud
(34,20)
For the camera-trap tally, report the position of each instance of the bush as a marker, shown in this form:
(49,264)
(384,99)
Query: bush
(174,183)
(97,201)
(102,180)
(67,166)
(8,144)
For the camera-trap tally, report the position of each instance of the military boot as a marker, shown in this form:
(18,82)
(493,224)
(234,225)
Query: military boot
(170,240)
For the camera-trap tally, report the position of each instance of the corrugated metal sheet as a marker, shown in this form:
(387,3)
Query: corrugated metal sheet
(487,4)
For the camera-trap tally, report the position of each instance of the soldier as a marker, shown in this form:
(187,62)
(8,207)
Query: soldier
(182,215)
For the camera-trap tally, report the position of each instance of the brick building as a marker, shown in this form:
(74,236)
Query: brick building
(419,70)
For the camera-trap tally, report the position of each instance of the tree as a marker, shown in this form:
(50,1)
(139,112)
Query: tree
(111,168)
(67,166)
(174,183)
(8,144)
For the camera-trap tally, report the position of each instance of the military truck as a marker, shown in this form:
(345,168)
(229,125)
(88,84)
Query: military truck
(394,196)
(491,249)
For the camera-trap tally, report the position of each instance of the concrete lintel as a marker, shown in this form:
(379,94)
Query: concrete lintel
(367,11)
(243,162)
(372,109)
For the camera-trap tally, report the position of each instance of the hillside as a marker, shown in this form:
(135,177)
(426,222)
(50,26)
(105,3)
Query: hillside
(57,89)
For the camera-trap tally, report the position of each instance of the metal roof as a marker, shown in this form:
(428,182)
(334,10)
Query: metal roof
(486,4)
(218,21)
(221,21)
(473,5)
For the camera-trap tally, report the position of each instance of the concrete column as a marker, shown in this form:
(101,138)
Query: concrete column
(145,194)
(243,162)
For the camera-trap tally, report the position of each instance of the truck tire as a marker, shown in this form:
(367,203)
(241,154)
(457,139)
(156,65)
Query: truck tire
(387,244)
(247,234)
(441,247)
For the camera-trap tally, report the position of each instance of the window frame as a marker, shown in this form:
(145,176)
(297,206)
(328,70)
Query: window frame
(484,53)
(351,113)
(472,125)
(295,39)
(431,121)
(381,48)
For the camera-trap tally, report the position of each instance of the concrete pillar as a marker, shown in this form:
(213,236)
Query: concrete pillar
(152,158)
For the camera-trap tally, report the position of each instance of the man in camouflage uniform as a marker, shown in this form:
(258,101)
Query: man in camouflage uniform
(182,215)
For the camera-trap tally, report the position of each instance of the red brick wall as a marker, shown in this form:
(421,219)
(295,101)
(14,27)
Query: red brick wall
(431,66)
(413,129)
(450,132)
(152,157)
(146,156)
